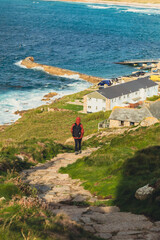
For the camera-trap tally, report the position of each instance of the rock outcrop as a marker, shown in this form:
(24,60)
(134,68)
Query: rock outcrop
(48,96)
(29,63)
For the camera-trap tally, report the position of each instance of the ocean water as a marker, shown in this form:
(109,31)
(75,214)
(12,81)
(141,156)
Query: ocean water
(88,38)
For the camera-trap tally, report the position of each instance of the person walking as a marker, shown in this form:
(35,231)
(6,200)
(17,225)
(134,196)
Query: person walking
(77,133)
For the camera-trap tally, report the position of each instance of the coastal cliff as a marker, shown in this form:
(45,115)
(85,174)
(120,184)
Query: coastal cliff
(29,63)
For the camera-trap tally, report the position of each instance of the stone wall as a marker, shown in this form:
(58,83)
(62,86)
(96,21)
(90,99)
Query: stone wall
(117,124)
(114,123)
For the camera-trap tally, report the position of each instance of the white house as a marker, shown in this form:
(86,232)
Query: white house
(120,95)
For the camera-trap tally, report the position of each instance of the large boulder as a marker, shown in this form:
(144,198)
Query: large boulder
(144,192)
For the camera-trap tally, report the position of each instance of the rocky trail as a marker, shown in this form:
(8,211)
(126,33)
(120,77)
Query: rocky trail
(64,195)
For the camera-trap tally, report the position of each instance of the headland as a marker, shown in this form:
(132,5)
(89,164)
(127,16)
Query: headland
(29,63)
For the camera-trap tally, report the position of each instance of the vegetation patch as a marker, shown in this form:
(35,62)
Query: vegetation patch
(154,98)
(120,167)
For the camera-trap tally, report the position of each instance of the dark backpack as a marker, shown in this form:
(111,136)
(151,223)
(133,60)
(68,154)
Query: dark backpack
(77,130)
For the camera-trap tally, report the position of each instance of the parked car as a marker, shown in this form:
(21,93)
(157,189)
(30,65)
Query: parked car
(103,82)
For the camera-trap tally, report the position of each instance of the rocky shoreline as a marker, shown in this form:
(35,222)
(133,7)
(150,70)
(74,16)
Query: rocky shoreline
(55,71)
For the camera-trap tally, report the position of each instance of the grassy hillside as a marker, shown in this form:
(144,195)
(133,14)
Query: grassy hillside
(36,137)
(113,173)
(122,165)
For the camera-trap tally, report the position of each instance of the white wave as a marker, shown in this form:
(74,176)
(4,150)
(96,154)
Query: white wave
(38,68)
(19,64)
(24,100)
(97,7)
(148,11)
(73,76)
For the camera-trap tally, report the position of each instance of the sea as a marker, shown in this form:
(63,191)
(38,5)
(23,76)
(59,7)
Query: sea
(83,37)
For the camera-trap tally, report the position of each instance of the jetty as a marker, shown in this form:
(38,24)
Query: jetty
(137,62)
(55,71)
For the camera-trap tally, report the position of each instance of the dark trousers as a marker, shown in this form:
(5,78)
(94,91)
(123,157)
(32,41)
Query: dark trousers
(77,144)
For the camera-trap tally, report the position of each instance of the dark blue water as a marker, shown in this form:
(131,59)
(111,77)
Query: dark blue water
(87,38)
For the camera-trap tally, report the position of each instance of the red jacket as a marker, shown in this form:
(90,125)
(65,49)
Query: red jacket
(78,120)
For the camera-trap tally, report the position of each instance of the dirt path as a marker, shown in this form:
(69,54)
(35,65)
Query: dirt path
(64,194)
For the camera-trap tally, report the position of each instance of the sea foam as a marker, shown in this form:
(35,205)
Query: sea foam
(97,7)
(73,76)
(38,68)
(148,11)
(19,64)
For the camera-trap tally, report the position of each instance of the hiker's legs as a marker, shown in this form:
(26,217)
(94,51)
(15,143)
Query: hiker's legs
(79,141)
(76,145)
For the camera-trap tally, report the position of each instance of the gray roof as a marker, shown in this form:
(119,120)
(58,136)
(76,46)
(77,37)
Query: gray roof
(130,115)
(126,88)
(155,109)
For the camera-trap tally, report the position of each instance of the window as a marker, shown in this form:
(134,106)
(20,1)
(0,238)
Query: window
(96,108)
(103,109)
(131,123)
(104,100)
(122,123)
(89,106)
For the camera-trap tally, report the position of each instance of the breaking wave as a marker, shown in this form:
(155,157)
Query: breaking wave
(38,69)
(97,7)
(73,76)
(147,11)
(19,64)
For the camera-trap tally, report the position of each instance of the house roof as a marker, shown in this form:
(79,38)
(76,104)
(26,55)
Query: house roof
(155,109)
(96,95)
(126,88)
(130,114)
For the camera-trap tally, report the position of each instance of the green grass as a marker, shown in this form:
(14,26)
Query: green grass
(33,222)
(8,190)
(73,107)
(154,98)
(120,167)
(36,137)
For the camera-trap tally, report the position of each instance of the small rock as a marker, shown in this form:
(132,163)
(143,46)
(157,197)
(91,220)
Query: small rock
(129,233)
(80,198)
(89,229)
(86,219)
(144,192)
(104,209)
(99,218)
(42,188)
(104,235)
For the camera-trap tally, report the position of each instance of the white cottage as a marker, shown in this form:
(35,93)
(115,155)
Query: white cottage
(120,95)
